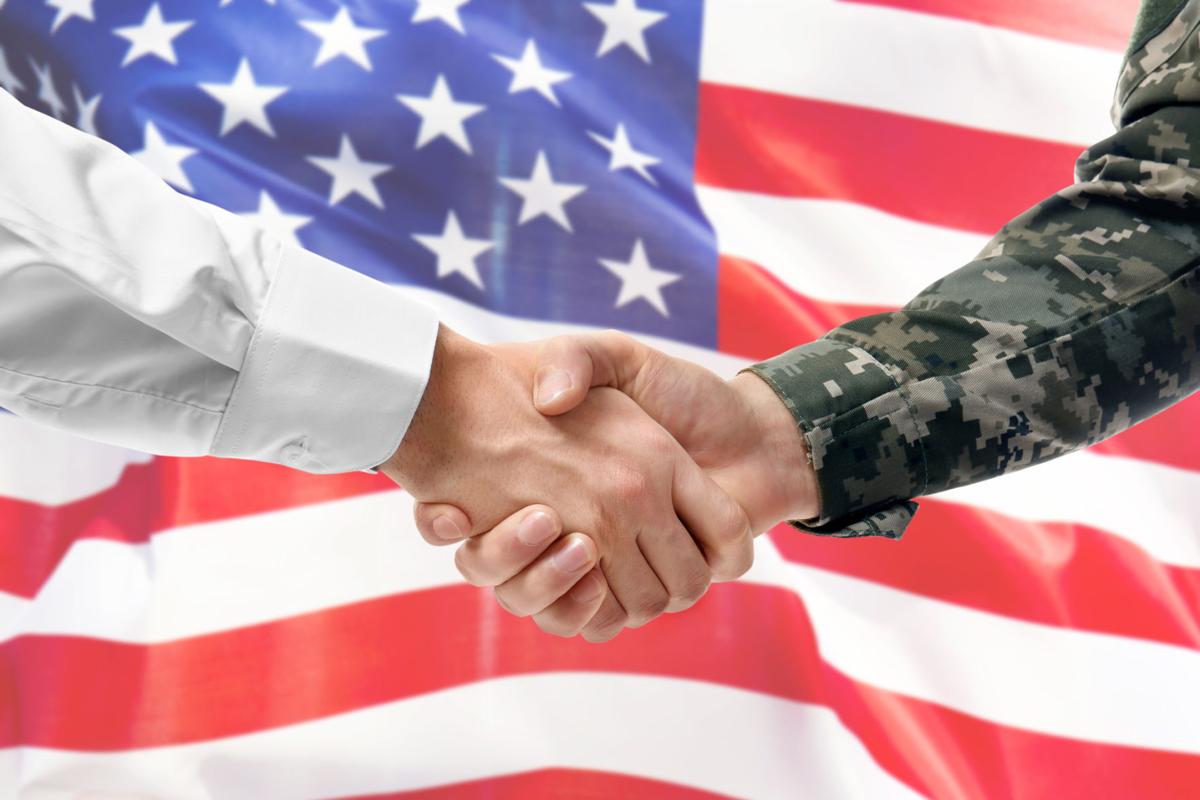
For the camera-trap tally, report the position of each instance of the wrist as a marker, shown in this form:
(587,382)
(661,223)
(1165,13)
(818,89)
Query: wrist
(778,458)
(417,456)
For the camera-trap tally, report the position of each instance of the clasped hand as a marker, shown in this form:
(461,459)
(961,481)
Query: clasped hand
(662,471)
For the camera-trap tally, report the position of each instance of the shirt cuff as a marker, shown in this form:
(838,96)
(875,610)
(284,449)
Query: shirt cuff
(862,436)
(333,374)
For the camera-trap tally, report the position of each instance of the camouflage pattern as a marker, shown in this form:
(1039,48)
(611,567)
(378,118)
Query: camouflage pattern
(1152,17)
(1079,319)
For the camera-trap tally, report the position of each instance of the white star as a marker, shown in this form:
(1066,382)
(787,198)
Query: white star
(624,155)
(71,8)
(152,37)
(46,91)
(445,10)
(441,115)
(272,219)
(351,174)
(85,119)
(244,100)
(639,279)
(624,24)
(455,252)
(541,195)
(528,73)
(165,160)
(341,37)
(11,83)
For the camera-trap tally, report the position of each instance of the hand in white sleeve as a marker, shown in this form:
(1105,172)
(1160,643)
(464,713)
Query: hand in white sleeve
(132,314)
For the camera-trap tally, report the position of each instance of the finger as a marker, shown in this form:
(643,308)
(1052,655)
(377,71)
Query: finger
(607,622)
(492,558)
(570,365)
(568,615)
(717,523)
(678,562)
(441,524)
(550,577)
(634,584)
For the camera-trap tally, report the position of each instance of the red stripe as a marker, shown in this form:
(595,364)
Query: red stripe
(1038,571)
(166,493)
(935,172)
(1171,438)
(1098,23)
(1044,572)
(74,693)
(575,784)
(758,316)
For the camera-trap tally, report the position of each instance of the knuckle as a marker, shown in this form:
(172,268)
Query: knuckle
(648,607)
(598,634)
(606,623)
(556,625)
(466,562)
(628,484)
(615,336)
(734,527)
(734,562)
(733,550)
(691,590)
(509,604)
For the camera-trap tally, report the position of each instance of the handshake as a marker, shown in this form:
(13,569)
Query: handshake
(662,472)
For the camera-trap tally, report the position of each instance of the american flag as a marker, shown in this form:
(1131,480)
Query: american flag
(726,179)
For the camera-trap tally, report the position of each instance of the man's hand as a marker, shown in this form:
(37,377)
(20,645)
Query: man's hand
(661,528)
(737,430)
(532,571)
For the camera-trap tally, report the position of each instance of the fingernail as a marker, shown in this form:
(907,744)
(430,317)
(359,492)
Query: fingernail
(551,386)
(573,557)
(445,528)
(587,590)
(536,529)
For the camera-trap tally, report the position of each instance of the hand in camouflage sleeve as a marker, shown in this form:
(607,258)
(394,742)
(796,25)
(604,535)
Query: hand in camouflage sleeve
(1079,319)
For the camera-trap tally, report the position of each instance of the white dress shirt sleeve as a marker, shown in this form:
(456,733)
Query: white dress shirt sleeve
(132,314)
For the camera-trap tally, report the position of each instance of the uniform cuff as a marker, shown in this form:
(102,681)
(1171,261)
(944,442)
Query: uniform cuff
(861,433)
(333,374)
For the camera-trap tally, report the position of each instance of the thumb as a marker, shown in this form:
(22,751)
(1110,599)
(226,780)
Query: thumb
(568,366)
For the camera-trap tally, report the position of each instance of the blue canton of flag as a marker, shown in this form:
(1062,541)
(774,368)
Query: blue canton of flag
(531,156)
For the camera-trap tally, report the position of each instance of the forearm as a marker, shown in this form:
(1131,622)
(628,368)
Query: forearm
(135,315)
(1078,320)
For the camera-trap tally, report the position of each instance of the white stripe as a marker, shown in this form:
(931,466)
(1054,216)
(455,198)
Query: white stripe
(701,735)
(834,250)
(916,64)
(14,612)
(47,466)
(1087,686)
(1151,505)
(243,571)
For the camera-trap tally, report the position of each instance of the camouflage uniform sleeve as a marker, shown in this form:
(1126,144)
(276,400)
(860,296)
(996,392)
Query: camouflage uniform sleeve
(1079,319)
